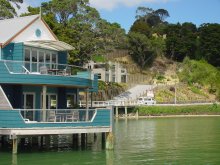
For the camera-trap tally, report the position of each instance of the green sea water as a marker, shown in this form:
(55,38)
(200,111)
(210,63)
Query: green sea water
(162,141)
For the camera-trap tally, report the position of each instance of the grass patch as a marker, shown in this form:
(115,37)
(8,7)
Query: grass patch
(178,110)
(98,58)
(197,91)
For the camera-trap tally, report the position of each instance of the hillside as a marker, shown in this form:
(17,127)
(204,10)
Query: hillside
(167,74)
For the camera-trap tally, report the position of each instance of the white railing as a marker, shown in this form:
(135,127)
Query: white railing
(136,103)
(39,68)
(108,103)
(57,115)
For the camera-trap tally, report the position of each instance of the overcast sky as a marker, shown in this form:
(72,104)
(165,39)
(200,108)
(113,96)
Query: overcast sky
(123,11)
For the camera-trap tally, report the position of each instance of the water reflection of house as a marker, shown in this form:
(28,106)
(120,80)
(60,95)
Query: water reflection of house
(37,85)
(109,72)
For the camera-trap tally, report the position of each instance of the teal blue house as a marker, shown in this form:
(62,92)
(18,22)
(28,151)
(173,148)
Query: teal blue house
(39,91)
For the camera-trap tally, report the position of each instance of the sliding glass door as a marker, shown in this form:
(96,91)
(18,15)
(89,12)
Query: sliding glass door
(29,106)
(51,101)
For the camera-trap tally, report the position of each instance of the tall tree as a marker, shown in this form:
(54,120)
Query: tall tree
(141,27)
(162,14)
(181,41)
(209,39)
(141,49)
(66,9)
(151,17)
(7,10)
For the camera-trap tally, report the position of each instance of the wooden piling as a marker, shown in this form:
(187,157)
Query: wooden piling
(116,112)
(109,141)
(103,140)
(126,111)
(83,140)
(75,141)
(14,145)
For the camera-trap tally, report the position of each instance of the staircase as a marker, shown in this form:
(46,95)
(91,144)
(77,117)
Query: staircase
(4,102)
(135,92)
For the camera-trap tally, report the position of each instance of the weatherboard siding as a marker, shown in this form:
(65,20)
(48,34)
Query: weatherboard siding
(62,57)
(12,119)
(13,51)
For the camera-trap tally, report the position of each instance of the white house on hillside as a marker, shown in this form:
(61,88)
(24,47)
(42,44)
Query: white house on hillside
(109,72)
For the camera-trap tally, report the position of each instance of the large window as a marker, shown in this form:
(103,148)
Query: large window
(35,58)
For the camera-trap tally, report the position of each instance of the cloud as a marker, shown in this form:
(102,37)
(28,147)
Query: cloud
(26,3)
(22,9)
(112,4)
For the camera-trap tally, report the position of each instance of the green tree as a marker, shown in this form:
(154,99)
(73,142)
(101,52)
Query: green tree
(65,9)
(141,49)
(181,41)
(151,17)
(162,14)
(7,10)
(141,27)
(209,43)
(158,45)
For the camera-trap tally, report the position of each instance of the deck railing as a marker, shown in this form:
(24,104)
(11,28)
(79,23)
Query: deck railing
(41,68)
(57,115)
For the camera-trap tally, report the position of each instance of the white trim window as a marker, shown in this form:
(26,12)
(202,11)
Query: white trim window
(35,58)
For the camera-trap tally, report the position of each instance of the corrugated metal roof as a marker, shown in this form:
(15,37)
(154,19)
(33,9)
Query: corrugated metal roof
(10,27)
(49,44)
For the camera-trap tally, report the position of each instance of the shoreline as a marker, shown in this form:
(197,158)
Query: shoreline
(166,116)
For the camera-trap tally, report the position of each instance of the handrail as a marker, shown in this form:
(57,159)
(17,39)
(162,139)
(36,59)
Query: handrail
(57,115)
(53,109)
(15,61)
(26,67)
(26,71)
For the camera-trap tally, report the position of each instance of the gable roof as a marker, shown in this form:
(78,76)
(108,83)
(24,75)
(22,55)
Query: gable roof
(10,28)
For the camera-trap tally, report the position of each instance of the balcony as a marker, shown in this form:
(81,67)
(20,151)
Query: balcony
(57,115)
(55,121)
(37,68)
(21,72)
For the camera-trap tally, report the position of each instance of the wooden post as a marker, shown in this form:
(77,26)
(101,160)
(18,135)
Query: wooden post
(116,112)
(83,140)
(75,141)
(44,105)
(103,140)
(87,106)
(91,99)
(47,141)
(109,141)
(2,141)
(175,94)
(14,145)
(14,159)
(137,114)
(126,111)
